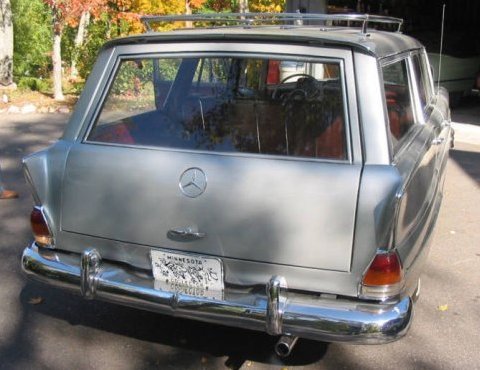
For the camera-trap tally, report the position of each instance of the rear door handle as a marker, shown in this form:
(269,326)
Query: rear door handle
(185,234)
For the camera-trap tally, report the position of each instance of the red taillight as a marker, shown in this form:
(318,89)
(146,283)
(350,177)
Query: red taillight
(385,269)
(384,277)
(40,228)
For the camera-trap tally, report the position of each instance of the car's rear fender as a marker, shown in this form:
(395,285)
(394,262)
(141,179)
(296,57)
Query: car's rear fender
(376,213)
(43,172)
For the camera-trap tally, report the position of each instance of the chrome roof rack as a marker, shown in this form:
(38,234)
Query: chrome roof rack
(261,19)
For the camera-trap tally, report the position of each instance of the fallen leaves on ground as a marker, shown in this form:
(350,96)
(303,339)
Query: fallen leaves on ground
(35,300)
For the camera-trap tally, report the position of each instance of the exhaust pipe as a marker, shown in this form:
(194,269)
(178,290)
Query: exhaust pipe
(285,344)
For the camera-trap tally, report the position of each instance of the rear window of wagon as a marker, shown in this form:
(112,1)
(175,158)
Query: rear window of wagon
(227,104)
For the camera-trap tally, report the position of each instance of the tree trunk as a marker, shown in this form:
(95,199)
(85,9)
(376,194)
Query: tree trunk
(188,11)
(79,39)
(6,43)
(243,6)
(57,66)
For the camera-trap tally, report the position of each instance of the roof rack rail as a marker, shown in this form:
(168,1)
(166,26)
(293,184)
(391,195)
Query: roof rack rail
(262,19)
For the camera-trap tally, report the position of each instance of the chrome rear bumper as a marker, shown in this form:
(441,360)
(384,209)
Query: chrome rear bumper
(276,311)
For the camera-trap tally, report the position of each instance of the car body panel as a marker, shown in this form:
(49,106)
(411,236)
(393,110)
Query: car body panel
(248,211)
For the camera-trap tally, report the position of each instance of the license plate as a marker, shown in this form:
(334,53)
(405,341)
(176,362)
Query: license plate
(188,274)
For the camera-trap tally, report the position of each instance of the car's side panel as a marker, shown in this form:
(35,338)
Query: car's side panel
(422,195)
(444,133)
(417,166)
(421,162)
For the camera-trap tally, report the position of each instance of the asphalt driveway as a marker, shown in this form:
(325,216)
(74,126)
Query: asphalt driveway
(45,328)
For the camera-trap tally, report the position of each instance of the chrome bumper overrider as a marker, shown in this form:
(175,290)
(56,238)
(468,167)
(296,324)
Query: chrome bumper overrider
(276,311)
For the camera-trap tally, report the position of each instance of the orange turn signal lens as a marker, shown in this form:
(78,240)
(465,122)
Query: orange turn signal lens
(40,229)
(385,269)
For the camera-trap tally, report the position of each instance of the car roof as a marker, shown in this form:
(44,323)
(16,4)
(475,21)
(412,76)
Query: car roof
(376,43)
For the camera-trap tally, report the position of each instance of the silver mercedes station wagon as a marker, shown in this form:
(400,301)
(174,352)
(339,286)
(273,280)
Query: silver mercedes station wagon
(280,173)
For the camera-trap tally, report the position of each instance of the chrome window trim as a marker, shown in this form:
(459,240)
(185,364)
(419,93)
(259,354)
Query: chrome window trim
(424,112)
(416,100)
(223,154)
(48,221)
(429,76)
(312,54)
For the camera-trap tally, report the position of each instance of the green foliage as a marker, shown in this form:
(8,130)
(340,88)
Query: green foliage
(266,6)
(219,6)
(132,76)
(32,38)
(68,43)
(33,31)
(254,5)
(168,68)
(34,84)
(98,32)
(73,87)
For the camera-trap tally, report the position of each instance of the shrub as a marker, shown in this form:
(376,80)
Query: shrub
(32,39)
(33,84)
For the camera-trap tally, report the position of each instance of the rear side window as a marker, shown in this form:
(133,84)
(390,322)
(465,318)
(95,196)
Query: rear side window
(227,104)
(399,100)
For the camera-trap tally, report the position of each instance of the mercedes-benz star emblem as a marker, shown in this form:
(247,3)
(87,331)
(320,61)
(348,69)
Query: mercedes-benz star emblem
(193,182)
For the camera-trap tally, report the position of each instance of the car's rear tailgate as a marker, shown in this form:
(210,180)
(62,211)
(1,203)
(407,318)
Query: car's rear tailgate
(278,211)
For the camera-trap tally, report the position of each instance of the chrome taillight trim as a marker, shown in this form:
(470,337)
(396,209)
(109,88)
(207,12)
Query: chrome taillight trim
(50,245)
(381,292)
